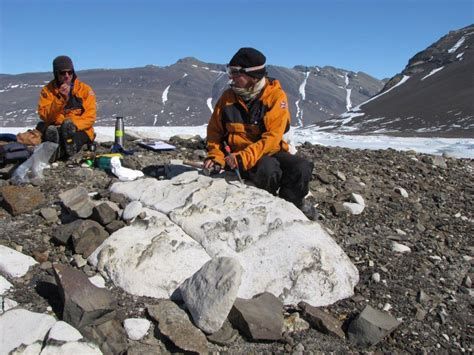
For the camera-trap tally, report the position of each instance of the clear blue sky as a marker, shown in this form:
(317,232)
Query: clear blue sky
(374,36)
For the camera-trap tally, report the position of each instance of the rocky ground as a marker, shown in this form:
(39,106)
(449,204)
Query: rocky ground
(417,202)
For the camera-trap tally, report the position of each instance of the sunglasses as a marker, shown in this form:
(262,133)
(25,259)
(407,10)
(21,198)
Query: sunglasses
(64,72)
(233,70)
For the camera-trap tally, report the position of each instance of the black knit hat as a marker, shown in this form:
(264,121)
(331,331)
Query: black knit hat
(249,58)
(62,63)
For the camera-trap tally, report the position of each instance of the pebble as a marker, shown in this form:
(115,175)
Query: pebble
(376,277)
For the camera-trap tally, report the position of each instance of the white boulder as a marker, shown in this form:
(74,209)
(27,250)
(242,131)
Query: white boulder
(13,263)
(280,250)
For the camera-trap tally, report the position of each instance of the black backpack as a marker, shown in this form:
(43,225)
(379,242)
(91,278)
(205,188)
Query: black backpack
(13,153)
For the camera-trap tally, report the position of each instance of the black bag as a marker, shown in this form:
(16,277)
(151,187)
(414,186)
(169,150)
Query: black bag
(13,153)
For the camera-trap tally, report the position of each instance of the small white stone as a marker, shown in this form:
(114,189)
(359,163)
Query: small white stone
(400,248)
(136,328)
(371,263)
(387,307)
(4,285)
(97,281)
(435,257)
(445,336)
(400,232)
(132,210)
(376,277)
(457,215)
(62,331)
(353,208)
(357,199)
(401,191)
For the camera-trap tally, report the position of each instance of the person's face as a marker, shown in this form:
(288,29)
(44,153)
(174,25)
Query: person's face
(242,81)
(65,76)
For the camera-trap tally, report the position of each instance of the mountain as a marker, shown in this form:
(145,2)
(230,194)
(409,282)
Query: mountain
(432,96)
(185,93)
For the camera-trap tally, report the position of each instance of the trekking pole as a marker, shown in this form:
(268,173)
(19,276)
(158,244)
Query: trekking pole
(227,153)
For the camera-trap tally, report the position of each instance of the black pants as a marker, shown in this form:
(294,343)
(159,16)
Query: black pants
(80,138)
(289,173)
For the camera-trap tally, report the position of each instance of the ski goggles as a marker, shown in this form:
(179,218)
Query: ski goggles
(232,70)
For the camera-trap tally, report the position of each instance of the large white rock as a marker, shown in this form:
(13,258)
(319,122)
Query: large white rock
(149,258)
(19,326)
(280,250)
(13,263)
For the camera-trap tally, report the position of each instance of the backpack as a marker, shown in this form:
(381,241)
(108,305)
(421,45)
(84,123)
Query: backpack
(13,153)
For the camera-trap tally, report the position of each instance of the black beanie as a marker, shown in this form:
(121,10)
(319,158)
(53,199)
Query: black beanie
(62,63)
(247,58)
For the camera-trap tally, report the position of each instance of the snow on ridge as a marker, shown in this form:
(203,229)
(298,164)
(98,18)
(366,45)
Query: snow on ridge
(302,88)
(185,75)
(298,116)
(348,92)
(164,97)
(457,45)
(434,71)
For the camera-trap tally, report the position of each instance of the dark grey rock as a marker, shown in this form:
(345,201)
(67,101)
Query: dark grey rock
(321,320)
(224,336)
(88,237)
(174,323)
(84,304)
(104,214)
(114,226)
(259,318)
(78,202)
(370,327)
(109,335)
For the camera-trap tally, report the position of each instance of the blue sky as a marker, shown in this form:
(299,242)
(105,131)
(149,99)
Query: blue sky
(374,36)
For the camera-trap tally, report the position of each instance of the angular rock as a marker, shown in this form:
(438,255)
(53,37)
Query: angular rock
(210,293)
(19,326)
(399,248)
(13,263)
(260,318)
(136,328)
(84,304)
(88,237)
(62,234)
(175,324)
(224,336)
(49,214)
(114,226)
(356,198)
(78,202)
(110,336)
(321,320)
(103,214)
(21,199)
(370,327)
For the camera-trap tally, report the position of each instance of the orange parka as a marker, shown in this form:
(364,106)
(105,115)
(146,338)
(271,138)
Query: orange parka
(53,108)
(251,131)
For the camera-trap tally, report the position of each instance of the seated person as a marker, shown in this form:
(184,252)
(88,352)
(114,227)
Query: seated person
(252,117)
(67,107)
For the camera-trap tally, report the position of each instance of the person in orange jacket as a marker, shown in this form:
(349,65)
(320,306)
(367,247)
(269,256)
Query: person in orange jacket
(67,107)
(252,117)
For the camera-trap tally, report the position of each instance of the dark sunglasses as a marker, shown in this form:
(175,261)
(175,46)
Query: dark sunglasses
(233,70)
(64,72)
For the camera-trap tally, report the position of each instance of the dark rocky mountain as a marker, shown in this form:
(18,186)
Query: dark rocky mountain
(184,94)
(432,96)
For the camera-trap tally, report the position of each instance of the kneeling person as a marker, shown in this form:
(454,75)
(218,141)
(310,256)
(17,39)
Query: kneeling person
(252,117)
(67,107)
